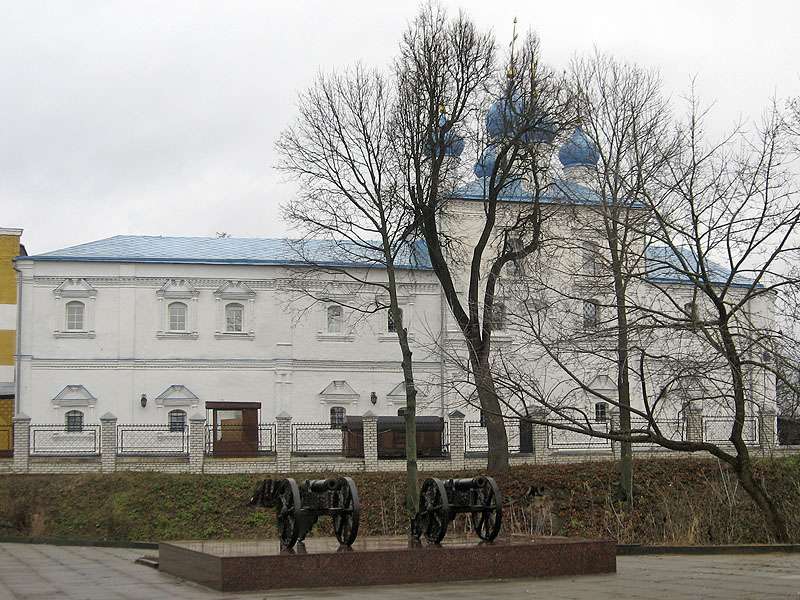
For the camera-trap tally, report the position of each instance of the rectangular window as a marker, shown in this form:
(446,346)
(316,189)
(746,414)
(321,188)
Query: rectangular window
(234,318)
(75,316)
(177,316)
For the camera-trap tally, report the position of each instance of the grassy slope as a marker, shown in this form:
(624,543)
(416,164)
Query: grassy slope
(678,501)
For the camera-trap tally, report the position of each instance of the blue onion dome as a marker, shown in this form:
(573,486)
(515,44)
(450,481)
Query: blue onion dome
(578,151)
(485,165)
(502,115)
(453,143)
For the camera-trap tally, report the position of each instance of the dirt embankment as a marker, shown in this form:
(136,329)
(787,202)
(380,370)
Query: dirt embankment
(677,502)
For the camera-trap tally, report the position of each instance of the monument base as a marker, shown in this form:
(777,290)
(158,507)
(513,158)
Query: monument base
(260,565)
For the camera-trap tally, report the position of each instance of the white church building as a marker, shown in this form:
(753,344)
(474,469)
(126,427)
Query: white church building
(153,329)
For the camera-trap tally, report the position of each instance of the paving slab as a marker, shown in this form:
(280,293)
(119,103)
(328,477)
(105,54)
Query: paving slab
(38,572)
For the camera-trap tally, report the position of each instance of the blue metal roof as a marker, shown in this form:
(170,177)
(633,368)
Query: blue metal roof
(562,191)
(664,266)
(229,251)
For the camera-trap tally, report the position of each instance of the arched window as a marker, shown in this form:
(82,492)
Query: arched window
(337,417)
(177,316)
(234,318)
(591,314)
(401,412)
(73,420)
(498,316)
(177,420)
(390,324)
(74,316)
(334,314)
(601,412)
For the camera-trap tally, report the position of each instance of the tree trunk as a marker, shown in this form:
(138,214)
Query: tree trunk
(497,457)
(772,514)
(411,425)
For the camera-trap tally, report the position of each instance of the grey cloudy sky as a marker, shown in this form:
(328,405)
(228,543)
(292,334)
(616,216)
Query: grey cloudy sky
(160,117)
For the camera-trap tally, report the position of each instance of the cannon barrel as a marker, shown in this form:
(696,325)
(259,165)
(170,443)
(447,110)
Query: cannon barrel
(469,483)
(323,485)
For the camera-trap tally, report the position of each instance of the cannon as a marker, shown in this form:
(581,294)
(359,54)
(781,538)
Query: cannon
(299,506)
(440,502)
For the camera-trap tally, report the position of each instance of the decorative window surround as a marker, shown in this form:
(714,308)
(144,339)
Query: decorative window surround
(177,289)
(241,293)
(406,303)
(177,395)
(397,397)
(69,291)
(339,392)
(73,395)
(324,334)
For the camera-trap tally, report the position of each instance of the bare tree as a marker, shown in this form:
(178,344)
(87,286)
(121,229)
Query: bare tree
(448,75)
(356,224)
(718,265)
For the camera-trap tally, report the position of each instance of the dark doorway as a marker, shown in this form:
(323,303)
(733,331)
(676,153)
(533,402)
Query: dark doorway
(234,428)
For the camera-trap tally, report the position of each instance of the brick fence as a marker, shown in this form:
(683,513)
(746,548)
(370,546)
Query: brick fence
(191,453)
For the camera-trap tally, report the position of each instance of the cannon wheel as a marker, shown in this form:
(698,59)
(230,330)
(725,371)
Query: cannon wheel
(345,519)
(288,507)
(488,521)
(434,510)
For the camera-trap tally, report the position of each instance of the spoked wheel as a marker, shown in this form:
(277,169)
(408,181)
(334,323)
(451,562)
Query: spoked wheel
(434,511)
(288,505)
(345,519)
(487,522)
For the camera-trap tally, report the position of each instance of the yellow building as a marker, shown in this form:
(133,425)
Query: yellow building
(10,247)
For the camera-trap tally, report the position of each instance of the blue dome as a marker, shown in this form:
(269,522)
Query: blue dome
(578,151)
(501,116)
(485,165)
(504,116)
(453,143)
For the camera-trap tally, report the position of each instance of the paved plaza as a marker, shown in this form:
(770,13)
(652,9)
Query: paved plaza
(39,572)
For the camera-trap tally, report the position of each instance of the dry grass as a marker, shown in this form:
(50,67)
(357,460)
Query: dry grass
(677,502)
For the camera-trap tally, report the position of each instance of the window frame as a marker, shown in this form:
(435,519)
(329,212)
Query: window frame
(591,322)
(70,426)
(177,425)
(601,407)
(176,303)
(234,306)
(330,318)
(338,416)
(72,304)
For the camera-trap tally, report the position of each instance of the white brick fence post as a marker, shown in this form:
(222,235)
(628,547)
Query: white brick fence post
(22,443)
(540,449)
(283,442)
(197,442)
(108,443)
(457,441)
(694,424)
(370,428)
(766,428)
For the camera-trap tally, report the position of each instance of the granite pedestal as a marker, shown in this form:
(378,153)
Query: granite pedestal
(260,565)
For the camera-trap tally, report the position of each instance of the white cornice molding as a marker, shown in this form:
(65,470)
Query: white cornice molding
(281,364)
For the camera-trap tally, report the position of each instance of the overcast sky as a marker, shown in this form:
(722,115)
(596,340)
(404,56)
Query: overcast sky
(159,118)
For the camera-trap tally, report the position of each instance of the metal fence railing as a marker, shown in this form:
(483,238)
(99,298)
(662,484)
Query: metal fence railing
(718,430)
(240,440)
(672,429)
(6,440)
(60,440)
(518,432)
(564,439)
(318,438)
(164,440)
